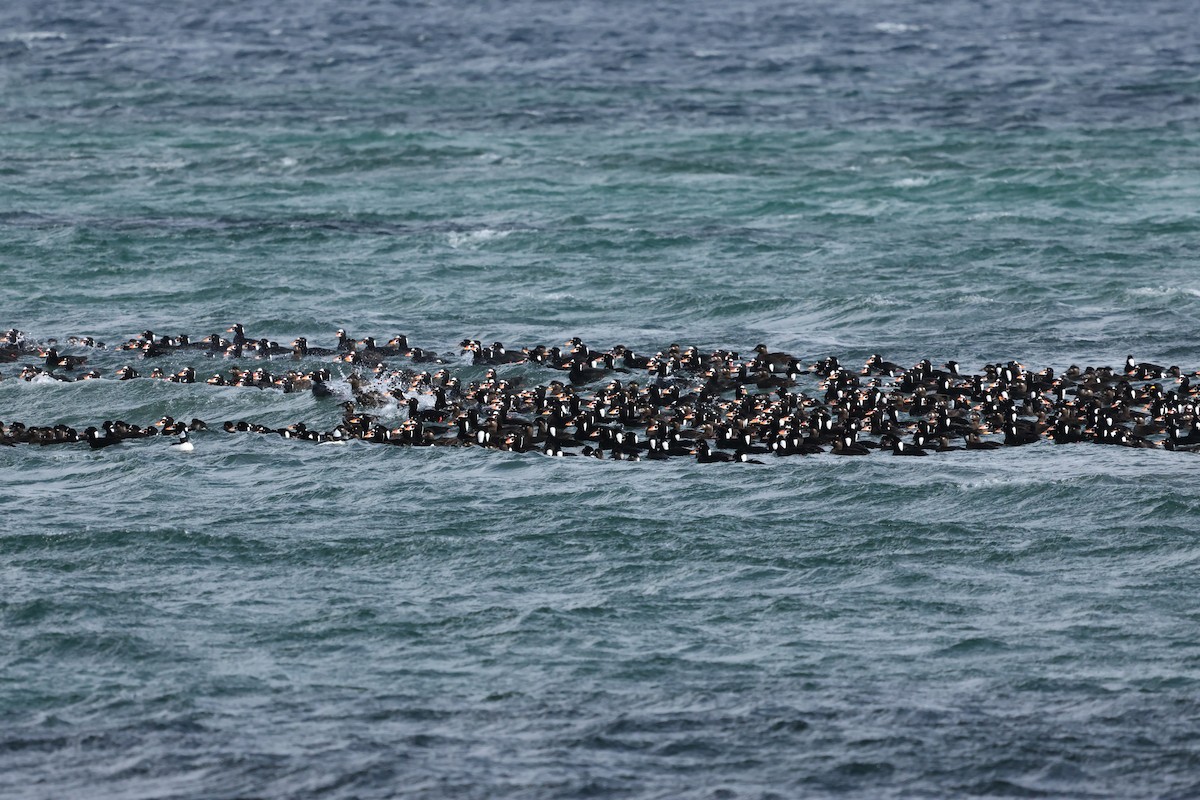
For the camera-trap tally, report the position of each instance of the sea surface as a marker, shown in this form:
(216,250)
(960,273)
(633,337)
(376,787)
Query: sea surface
(978,181)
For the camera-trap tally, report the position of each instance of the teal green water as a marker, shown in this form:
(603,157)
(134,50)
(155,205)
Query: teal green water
(1054,246)
(262,618)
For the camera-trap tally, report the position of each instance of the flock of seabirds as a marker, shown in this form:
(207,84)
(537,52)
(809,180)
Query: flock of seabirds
(717,406)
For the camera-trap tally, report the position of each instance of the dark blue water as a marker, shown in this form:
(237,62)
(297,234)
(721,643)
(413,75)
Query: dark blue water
(262,618)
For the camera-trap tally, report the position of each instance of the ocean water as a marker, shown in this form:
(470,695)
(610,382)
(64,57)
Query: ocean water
(260,618)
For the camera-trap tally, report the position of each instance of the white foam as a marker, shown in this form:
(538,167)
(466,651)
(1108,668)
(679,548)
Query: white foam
(121,41)
(977,299)
(472,239)
(894,28)
(35,36)
(882,300)
(341,388)
(909,183)
(1164,291)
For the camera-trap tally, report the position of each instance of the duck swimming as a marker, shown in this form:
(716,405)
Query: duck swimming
(184,445)
(685,401)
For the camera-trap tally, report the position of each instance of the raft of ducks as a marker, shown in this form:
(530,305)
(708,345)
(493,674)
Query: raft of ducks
(612,403)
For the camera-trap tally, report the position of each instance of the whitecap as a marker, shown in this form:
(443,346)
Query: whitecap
(881,300)
(897,27)
(35,36)
(1164,291)
(909,183)
(460,239)
(121,41)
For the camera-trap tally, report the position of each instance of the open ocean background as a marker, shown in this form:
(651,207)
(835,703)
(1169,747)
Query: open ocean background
(980,181)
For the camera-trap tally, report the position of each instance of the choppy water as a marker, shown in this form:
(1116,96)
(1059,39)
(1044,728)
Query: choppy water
(973,181)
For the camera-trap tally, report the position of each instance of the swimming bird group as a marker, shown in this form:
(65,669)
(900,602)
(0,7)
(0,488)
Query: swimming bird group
(575,399)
